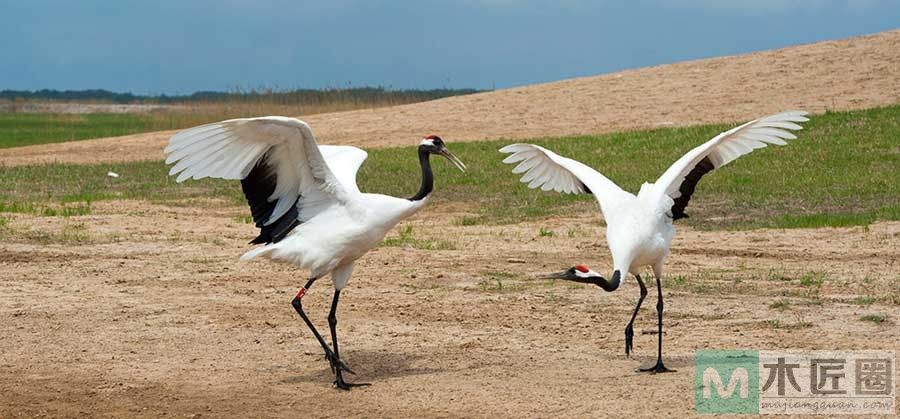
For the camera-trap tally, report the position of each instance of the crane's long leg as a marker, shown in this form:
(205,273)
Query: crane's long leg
(629,330)
(332,324)
(659,367)
(333,361)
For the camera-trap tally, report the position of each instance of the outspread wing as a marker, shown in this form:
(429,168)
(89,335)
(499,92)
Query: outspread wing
(550,171)
(283,173)
(344,162)
(679,181)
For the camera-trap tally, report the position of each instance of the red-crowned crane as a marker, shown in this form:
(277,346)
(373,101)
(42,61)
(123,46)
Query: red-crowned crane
(303,197)
(640,228)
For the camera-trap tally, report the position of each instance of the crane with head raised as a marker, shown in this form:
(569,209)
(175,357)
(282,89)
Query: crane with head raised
(303,198)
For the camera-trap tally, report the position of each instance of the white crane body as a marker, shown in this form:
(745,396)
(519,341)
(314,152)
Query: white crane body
(338,235)
(303,197)
(639,228)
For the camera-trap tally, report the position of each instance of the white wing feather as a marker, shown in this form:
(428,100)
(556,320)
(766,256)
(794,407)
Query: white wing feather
(230,149)
(550,171)
(730,145)
(344,162)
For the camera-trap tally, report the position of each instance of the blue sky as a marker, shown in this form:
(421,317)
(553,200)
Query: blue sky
(164,46)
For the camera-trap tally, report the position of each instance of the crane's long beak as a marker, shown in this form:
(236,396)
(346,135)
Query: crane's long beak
(449,156)
(556,275)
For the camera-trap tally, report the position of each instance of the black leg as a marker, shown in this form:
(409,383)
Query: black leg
(333,361)
(659,367)
(299,307)
(332,324)
(629,330)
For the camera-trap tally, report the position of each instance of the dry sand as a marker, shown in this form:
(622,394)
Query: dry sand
(162,319)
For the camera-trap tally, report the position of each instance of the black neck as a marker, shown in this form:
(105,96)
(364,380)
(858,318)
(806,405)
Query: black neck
(427,176)
(611,285)
(608,286)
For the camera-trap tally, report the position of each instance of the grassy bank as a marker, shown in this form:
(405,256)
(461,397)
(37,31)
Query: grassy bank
(18,128)
(843,170)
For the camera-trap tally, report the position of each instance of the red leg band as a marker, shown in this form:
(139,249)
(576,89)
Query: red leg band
(301,293)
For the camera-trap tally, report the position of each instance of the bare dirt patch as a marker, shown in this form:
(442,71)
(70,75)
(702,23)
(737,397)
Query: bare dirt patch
(150,313)
(854,73)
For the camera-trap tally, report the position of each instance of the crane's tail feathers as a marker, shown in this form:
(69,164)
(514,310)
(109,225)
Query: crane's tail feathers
(257,252)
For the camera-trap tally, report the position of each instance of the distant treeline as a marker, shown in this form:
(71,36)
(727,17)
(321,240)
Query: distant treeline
(295,96)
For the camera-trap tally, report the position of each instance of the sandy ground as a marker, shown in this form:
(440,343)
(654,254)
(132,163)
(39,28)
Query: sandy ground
(154,316)
(854,73)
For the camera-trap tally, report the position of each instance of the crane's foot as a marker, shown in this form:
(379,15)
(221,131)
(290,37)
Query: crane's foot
(658,368)
(340,384)
(335,363)
(629,339)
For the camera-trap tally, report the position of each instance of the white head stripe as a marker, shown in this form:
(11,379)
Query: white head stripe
(427,141)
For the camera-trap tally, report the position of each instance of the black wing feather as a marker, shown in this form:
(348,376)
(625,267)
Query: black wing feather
(688,185)
(258,186)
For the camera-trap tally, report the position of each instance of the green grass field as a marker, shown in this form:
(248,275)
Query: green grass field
(26,129)
(843,170)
